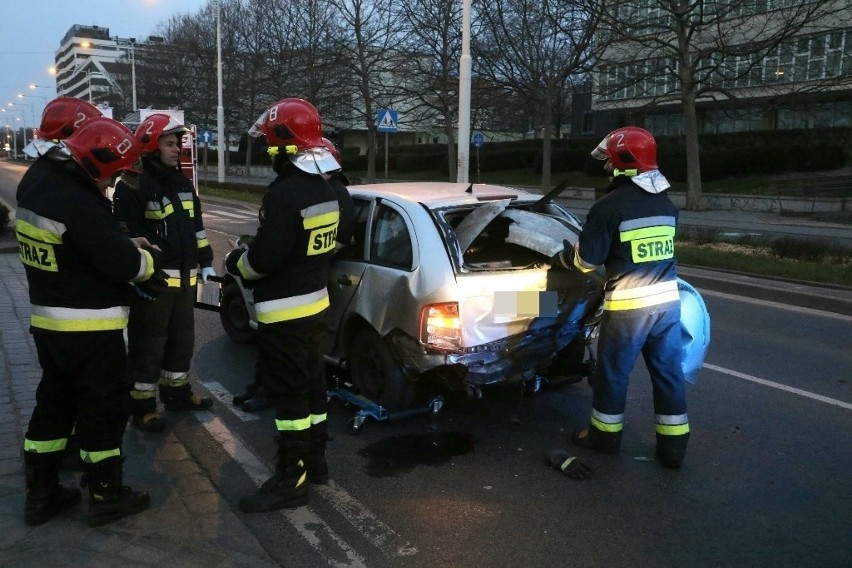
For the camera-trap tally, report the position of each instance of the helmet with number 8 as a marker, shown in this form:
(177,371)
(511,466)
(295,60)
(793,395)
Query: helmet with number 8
(152,128)
(103,147)
(629,149)
(63,115)
(293,126)
(290,122)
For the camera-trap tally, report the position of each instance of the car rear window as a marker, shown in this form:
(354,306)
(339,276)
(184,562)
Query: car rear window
(502,235)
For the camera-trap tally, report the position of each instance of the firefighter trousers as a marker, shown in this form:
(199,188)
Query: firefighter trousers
(161,335)
(291,368)
(84,381)
(655,333)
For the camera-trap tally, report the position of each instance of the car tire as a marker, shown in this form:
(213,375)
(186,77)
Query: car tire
(234,315)
(376,374)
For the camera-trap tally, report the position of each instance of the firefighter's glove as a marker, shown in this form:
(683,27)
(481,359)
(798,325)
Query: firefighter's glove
(569,465)
(565,257)
(154,286)
(206,273)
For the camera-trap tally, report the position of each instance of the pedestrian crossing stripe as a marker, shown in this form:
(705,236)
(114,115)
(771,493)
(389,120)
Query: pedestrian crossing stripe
(219,214)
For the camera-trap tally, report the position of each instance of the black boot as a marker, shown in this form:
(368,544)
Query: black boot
(109,500)
(288,488)
(182,398)
(594,439)
(317,465)
(144,414)
(672,449)
(257,402)
(45,496)
(241,399)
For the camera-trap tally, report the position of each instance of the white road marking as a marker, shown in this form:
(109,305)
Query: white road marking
(219,213)
(226,398)
(771,304)
(310,526)
(779,386)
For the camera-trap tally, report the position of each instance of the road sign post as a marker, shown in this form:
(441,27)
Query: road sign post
(206,137)
(387,120)
(478,139)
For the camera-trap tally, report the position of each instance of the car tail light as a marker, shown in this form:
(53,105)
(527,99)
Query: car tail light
(440,327)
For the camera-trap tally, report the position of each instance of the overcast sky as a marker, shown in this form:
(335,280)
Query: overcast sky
(31,30)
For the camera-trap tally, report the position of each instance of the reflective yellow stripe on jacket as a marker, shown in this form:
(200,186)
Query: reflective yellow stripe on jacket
(294,307)
(37,237)
(641,297)
(174,277)
(54,318)
(651,238)
(322,221)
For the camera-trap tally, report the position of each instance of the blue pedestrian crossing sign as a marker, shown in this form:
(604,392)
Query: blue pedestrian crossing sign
(387,120)
(478,139)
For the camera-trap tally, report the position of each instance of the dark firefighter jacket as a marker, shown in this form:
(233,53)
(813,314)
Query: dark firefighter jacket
(338,183)
(631,232)
(77,258)
(166,210)
(35,172)
(289,258)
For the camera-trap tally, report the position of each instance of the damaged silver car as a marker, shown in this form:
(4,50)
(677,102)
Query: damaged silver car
(453,279)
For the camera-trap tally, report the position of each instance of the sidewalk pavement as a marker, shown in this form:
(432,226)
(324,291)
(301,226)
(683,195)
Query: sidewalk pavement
(189,524)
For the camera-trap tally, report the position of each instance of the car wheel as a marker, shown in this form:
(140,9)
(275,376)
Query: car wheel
(376,374)
(234,315)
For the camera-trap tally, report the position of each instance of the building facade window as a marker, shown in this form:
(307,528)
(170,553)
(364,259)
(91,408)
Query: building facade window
(820,57)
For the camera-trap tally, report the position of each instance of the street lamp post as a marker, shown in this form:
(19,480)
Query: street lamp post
(23,118)
(131,49)
(32,108)
(463,160)
(14,140)
(133,69)
(220,108)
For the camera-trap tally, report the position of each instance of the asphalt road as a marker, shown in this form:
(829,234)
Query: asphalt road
(766,480)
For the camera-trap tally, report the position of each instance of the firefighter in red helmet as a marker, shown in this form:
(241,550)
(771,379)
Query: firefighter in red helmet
(288,264)
(254,399)
(630,230)
(61,117)
(163,206)
(78,263)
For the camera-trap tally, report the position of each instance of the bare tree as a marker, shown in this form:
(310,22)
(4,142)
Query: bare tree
(249,26)
(370,42)
(689,51)
(434,39)
(531,48)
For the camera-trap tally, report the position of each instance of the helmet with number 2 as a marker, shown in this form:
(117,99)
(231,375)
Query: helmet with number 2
(631,150)
(103,147)
(152,128)
(63,115)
